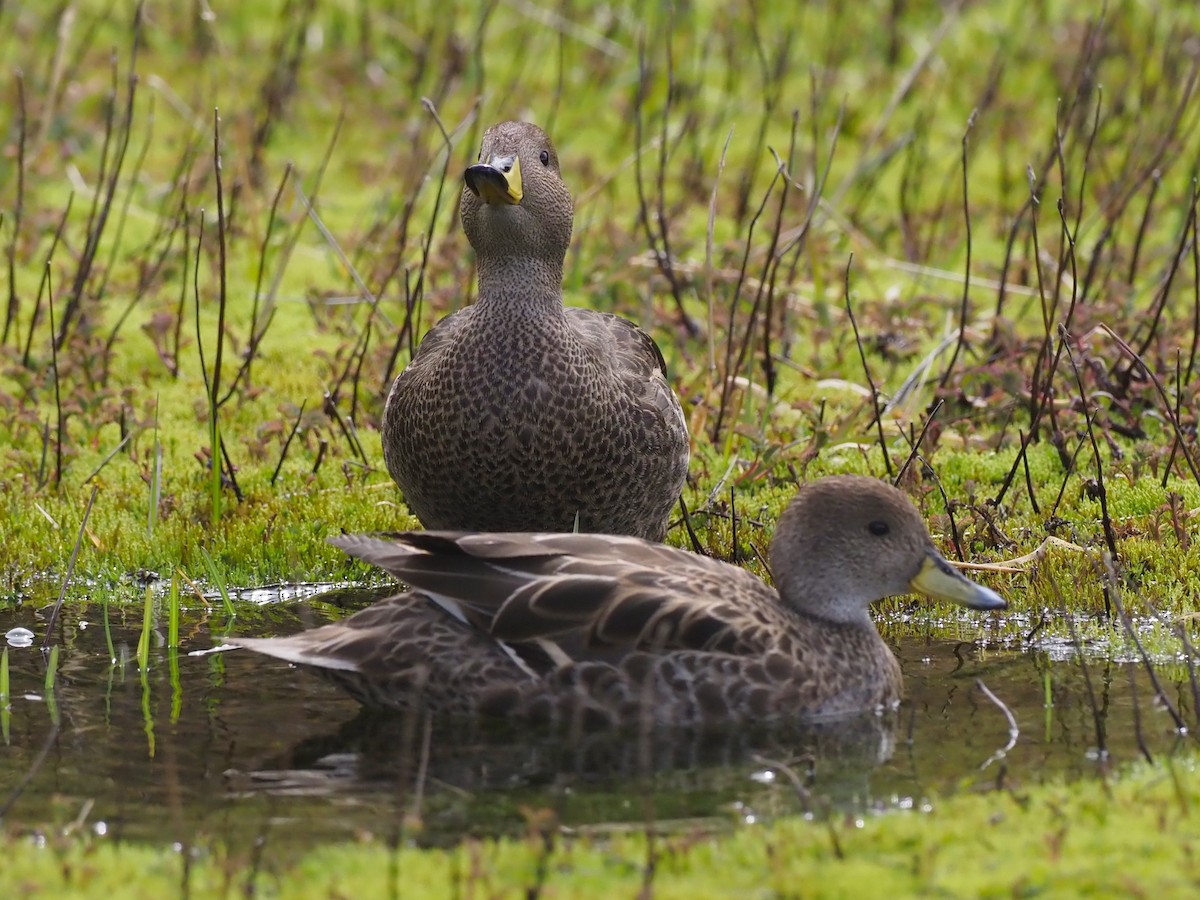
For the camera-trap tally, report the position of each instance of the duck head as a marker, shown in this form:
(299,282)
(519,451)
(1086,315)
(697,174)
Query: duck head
(514,203)
(847,541)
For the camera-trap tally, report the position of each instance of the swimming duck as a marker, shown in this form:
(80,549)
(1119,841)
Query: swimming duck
(613,630)
(519,413)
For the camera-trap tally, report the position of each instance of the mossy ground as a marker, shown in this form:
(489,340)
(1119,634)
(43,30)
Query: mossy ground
(874,162)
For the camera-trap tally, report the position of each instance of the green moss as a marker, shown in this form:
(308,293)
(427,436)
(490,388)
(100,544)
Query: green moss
(119,379)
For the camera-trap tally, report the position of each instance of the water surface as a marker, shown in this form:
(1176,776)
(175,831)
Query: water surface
(243,748)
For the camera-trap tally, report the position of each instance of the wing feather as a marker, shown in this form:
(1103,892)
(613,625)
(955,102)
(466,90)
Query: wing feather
(587,595)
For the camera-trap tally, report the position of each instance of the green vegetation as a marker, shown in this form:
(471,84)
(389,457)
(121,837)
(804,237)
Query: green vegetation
(965,233)
(735,169)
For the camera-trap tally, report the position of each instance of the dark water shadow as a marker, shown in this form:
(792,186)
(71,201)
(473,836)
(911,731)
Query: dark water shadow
(247,749)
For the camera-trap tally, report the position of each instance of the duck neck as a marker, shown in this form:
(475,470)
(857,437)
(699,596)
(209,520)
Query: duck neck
(824,599)
(839,614)
(521,285)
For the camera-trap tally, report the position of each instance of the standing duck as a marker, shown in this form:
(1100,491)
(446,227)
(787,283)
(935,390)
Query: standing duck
(519,413)
(609,630)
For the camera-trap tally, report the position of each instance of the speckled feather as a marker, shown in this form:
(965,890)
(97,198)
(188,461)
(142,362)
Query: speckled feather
(601,629)
(517,413)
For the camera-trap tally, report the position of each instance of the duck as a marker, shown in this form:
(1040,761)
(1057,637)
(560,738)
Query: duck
(597,630)
(518,413)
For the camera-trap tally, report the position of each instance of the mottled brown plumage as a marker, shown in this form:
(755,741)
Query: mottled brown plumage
(602,629)
(518,413)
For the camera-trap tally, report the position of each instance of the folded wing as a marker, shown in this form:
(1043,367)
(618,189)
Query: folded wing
(590,596)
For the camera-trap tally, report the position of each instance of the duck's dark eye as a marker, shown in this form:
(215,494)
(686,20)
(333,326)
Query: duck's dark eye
(545,157)
(878,528)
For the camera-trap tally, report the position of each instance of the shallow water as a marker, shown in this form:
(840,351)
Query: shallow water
(244,748)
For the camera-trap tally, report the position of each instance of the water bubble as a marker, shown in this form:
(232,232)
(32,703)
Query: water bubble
(746,814)
(19,637)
